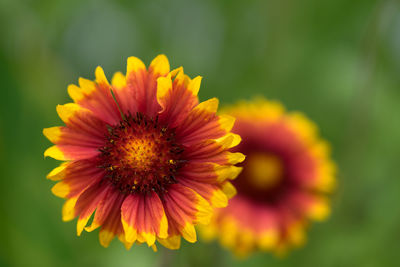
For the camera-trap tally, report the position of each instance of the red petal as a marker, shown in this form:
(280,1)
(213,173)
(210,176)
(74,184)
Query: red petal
(98,99)
(88,202)
(78,176)
(143,215)
(177,104)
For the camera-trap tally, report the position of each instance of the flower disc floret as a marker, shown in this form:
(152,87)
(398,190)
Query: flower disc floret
(141,155)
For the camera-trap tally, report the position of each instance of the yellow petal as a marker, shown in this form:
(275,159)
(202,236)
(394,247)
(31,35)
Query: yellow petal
(234,158)
(53,133)
(246,240)
(140,238)
(180,77)
(65,112)
(164,84)
(296,235)
(230,140)
(163,232)
(303,126)
(75,92)
(100,76)
(55,153)
(105,237)
(127,244)
(219,199)
(82,221)
(229,232)
(229,189)
(226,172)
(210,105)
(204,210)
(194,85)
(258,109)
(118,80)
(326,181)
(68,209)
(160,65)
(268,239)
(58,173)
(61,189)
(176,72)
(150,238)
(93,226)
(189,233)
(319,210)
(172,242)
(226,122)
(134,64)
(87,86)
(130,233)
(208,232)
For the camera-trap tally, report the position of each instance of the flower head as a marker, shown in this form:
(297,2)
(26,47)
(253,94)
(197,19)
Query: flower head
(143,157)
(284,183)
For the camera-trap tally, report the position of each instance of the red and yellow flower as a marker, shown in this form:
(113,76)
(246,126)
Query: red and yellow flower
(142,156)
(285,181)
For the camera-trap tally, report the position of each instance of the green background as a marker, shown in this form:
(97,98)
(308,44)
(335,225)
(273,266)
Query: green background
(338,61)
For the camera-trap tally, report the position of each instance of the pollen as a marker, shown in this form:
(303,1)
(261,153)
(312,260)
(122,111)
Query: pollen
(141,155)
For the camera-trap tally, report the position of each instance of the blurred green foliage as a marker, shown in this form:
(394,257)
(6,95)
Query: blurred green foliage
(336,60)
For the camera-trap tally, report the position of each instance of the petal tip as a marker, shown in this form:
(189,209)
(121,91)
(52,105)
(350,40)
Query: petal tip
(160,65)
(194,85)
(134,64)
(100,76)
(52,133)
(55,153)
(61,189)
(189,233)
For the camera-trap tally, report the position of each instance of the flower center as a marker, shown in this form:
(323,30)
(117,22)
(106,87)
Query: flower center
(141,155)
(265,171)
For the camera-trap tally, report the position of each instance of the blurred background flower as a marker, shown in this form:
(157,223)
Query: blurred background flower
(286,177)
(337,61)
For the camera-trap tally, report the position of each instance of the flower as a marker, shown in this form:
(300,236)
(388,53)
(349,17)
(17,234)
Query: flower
(284,183)
(143,157)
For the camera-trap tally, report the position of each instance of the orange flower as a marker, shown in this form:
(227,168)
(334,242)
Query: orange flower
(142,155)
(284,184)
